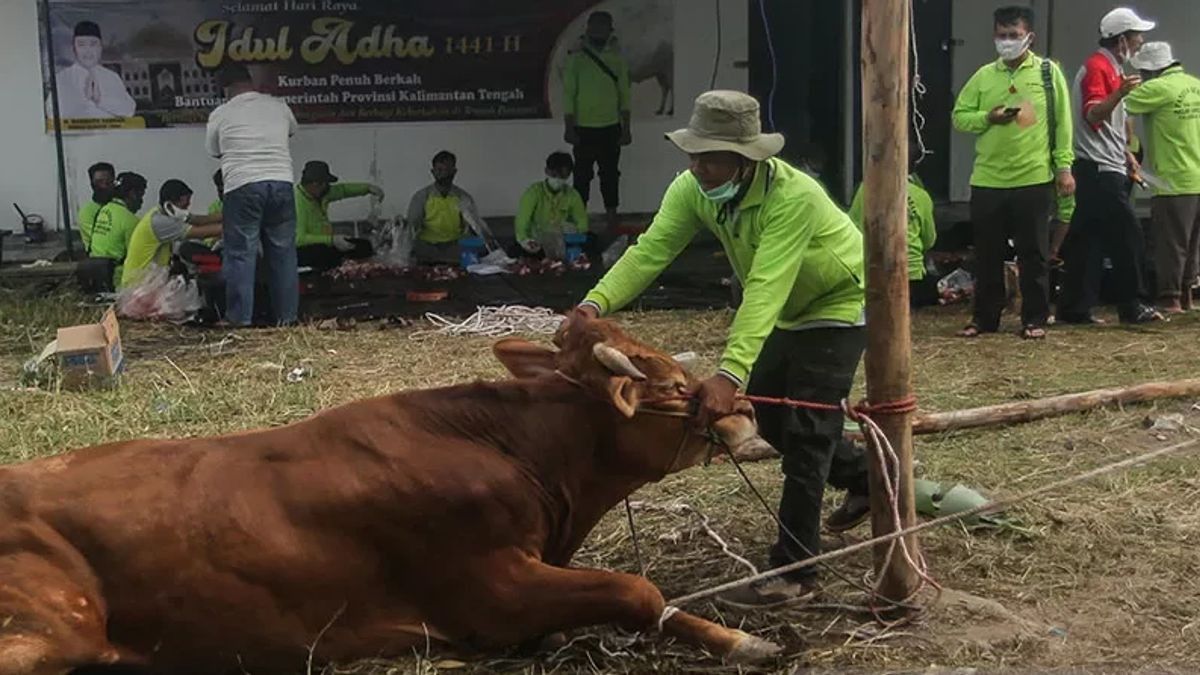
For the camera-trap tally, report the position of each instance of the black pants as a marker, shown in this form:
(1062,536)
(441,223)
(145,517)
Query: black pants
(1023,215)
(923,292)
(602,146)
(1104,225)
(812,365)
(322,257)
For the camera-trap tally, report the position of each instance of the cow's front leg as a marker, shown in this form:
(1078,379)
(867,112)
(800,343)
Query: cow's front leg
(534,599)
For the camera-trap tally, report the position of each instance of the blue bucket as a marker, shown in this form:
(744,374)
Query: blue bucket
(470,249)
(574,245)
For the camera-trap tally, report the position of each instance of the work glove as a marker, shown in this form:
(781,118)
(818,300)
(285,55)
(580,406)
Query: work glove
(342,244)
(376,192)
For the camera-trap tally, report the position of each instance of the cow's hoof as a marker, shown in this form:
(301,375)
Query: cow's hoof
(752,650)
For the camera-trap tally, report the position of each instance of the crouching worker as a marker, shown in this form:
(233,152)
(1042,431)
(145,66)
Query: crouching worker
(922,234)
(799,332)
(161,228)
(316,244)
(549,209)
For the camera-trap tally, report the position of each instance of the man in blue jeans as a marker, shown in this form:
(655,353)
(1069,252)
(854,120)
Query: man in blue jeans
(249,133)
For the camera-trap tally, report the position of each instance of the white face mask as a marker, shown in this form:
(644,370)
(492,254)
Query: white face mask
(556,184)
(1011,50)
(174,211)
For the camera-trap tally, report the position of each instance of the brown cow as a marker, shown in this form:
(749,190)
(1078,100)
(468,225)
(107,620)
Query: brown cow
(448,515)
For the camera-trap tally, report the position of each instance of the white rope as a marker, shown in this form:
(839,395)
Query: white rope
(495,322)
(918,85)
(667,613)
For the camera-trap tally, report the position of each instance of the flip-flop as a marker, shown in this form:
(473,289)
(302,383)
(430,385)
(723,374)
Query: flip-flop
(1032,332)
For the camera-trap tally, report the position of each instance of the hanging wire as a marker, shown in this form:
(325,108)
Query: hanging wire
(712,84)
(762,9)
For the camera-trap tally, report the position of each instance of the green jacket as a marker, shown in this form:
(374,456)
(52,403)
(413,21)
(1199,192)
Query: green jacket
(540,208)
(799,258)
(590,94)
(110,237)
(312,216)
(1171,103)
(1010,155)
(922,232)
(87,221)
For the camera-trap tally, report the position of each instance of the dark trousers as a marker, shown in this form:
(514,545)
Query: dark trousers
(1104,225)
(599,146)
(1023,215)
(923,292)
(811,365)
(1176,244)
(260,217)
(322,257)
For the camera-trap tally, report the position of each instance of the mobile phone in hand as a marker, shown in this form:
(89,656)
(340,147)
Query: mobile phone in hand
(1012,112)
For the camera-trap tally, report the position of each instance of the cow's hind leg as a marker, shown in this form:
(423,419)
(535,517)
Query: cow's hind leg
(534,599)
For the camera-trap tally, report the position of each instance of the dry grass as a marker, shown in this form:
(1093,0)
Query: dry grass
(1106,582)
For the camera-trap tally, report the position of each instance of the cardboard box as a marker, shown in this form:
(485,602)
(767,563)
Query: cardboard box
(90,355)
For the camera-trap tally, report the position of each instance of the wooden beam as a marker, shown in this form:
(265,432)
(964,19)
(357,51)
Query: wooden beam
(1027,411)
(885,43)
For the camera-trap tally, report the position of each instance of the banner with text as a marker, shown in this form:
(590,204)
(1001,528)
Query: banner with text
(126,64)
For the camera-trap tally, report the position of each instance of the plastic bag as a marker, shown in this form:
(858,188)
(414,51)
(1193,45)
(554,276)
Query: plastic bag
(158,296)
(394,243)
(956,286)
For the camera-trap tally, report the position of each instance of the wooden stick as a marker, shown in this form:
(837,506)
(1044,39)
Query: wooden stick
(1029,411)
(888,360)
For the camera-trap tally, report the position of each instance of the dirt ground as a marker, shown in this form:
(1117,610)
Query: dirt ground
(1100,577)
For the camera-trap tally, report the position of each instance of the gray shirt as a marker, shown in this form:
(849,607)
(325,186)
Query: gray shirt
(1104,145)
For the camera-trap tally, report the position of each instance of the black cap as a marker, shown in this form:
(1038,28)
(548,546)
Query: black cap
(317,171)
(87,29)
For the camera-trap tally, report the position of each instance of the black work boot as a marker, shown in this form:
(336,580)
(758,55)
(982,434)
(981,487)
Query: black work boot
(854,511)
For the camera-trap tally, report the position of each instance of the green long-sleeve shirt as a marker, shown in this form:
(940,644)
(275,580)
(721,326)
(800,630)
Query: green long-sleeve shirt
(541,207)
(593,97)
(312,215)
(922,232)
(87,221)
(111,234)
(1011,155)
(798,256)
(1171,104)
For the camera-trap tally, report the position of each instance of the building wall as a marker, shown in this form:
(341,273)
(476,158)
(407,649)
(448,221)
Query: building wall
(1075,29)
(497,160)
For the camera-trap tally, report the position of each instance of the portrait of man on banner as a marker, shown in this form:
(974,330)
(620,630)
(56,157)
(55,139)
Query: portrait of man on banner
(86,89)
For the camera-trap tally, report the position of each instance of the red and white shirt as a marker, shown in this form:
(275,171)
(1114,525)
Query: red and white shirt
(1102,143)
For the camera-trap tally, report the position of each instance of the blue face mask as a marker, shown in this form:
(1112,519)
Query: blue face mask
(720,194)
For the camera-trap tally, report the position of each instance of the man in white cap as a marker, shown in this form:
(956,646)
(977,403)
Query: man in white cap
(1104,224)
(1170,100)
(799,331)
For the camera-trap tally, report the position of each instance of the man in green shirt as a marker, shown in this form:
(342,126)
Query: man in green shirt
(100,175)
(922,233)
(316,244)
(550,208)
(596,110)
(442,213)
(1007,105)
(1170,100)
(116,221)
(799,331)
(163,226)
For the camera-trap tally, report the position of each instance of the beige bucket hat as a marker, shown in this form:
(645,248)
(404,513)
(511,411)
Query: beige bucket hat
(726,121)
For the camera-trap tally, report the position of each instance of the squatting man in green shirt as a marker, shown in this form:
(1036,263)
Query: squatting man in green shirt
(549,209)
(1016,177)
(316,244)
(799,331)
(101,176)
(1170,100)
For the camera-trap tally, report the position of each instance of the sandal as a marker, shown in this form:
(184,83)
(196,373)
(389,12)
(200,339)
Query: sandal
(970,331)
(1032,332)
(1145,314)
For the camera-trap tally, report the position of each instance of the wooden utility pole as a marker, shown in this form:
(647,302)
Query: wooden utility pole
(885,35)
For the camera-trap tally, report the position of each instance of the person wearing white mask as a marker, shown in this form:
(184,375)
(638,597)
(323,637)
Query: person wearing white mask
(800,330)
(1104,224)
(86,89)
(1018,107)
(163,226)
(550,208)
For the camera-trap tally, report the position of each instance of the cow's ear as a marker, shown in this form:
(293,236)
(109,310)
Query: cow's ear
(524,359)
(625,394)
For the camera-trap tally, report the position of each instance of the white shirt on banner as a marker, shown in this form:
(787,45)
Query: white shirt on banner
(249,133)
(91,93)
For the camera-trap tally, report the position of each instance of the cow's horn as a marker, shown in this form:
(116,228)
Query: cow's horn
(616,361)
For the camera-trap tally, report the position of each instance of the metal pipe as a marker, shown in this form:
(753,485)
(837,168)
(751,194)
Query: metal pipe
(58,139)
